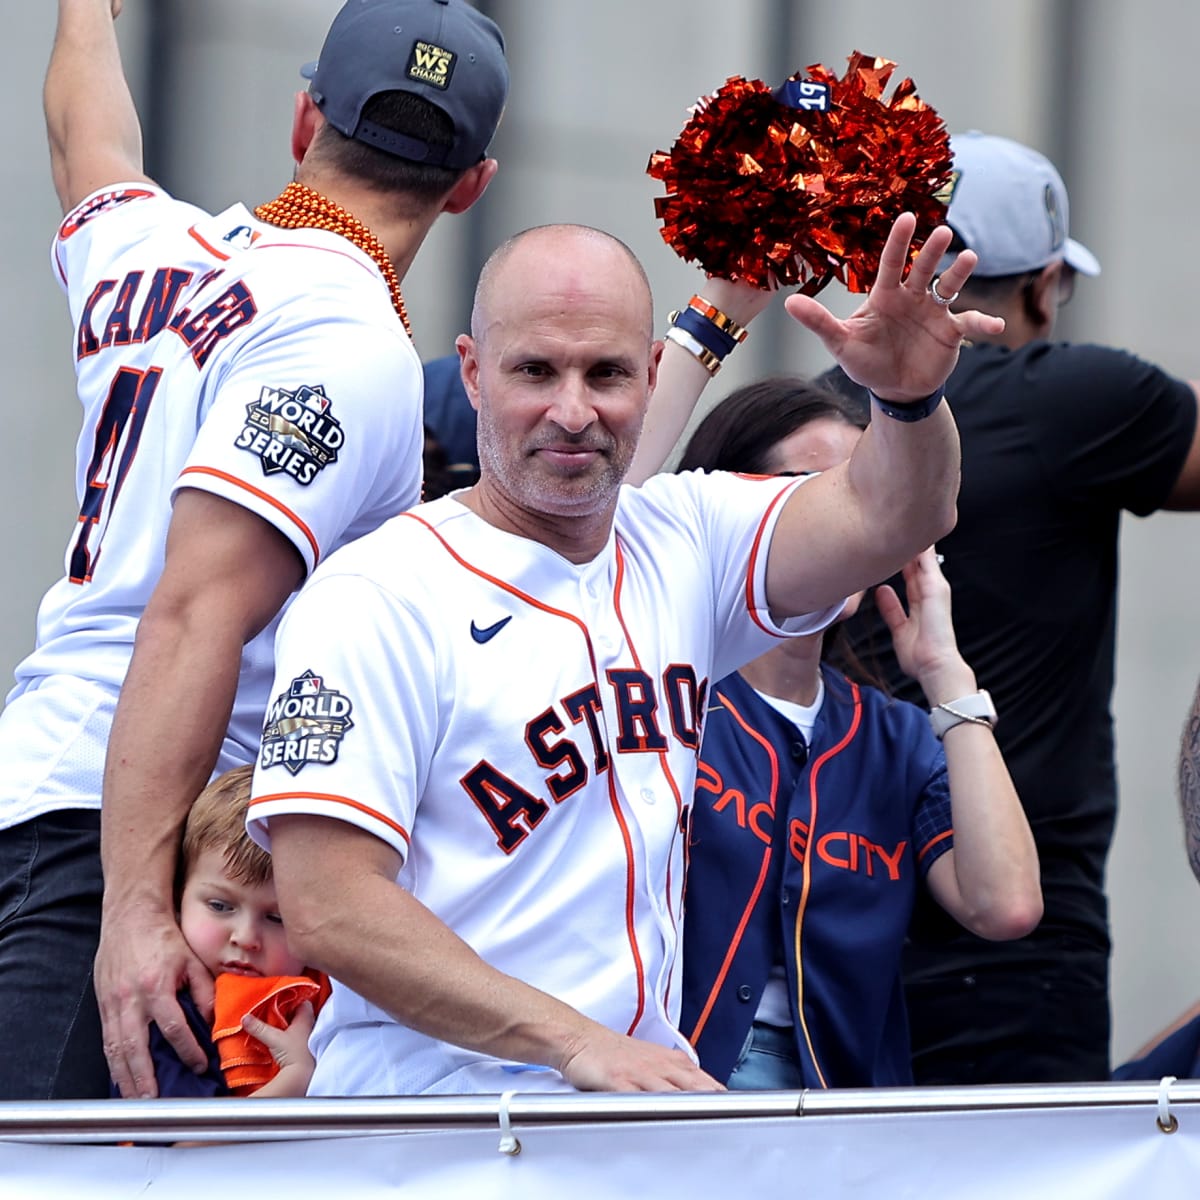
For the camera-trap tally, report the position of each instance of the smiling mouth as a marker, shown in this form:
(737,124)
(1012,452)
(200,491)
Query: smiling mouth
(569,455)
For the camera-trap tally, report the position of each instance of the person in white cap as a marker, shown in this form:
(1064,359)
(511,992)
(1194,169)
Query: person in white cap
(1058,440)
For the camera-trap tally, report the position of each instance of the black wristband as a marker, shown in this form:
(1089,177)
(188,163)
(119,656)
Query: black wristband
(909,410)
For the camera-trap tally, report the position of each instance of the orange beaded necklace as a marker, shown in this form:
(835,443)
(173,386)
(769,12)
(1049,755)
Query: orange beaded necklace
(299,207)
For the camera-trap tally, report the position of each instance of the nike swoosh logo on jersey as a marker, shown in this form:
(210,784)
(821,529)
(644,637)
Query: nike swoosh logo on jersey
(486,635)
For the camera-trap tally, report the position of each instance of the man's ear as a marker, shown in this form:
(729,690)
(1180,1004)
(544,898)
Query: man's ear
(468,365)
(471,185)
(656,353)
(306,120)
(1041,298)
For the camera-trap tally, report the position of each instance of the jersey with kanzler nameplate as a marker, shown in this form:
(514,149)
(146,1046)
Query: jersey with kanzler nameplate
(220,353)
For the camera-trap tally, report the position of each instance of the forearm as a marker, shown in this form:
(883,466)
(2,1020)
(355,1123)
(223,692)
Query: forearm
(380,941)
(682,379)
(904,478)
(996,873)
(91,121)
(166,736)
(1189,783)
(994,889)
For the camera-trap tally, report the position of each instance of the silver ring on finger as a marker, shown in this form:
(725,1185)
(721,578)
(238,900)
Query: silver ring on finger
(938,298)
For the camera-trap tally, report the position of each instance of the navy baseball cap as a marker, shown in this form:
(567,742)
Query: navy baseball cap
(1009,205)
(443,50)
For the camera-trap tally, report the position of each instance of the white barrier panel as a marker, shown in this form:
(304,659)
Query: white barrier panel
(1028,1148)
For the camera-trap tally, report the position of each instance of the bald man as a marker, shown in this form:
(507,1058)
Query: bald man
(475,767)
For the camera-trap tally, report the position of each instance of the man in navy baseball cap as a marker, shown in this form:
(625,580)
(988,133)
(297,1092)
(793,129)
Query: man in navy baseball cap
(444,51)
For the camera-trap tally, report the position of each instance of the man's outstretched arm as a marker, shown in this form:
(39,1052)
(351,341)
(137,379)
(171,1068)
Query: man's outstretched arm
(92,125)
(859,523)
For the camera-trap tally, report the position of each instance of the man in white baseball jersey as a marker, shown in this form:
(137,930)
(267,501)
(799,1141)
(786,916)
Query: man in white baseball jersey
(477,759)
(251,401)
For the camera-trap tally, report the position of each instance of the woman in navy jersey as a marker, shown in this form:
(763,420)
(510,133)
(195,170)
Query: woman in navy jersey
(822,805)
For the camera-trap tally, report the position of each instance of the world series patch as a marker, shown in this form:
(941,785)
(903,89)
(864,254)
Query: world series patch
(305,724)
(294,432)
(431,64)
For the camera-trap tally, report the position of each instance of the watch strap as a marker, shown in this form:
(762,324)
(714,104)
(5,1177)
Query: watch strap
(977,708)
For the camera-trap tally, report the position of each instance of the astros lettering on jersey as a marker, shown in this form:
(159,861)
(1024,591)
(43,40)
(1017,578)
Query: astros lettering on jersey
(523,731)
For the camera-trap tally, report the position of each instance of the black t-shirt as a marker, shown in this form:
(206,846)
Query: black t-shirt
(1057,440)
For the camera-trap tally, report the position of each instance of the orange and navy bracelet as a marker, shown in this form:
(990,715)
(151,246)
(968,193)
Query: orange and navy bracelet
(705,332)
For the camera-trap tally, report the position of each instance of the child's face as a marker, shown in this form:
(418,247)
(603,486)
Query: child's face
(231,926)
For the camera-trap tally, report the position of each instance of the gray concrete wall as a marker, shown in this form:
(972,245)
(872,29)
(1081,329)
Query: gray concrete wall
(1099,85)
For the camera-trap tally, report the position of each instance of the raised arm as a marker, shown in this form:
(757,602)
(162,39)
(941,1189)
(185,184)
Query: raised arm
(861,522)
(989,881)
(92,125)
(682,378)
(227,573)
(346,915)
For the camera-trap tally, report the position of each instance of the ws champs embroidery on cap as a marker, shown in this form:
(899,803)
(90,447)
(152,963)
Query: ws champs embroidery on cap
(431,64)
(305,724)
(294,432)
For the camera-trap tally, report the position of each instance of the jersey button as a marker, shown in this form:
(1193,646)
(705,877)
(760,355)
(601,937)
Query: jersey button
(799,751)
(744,993)
(648,795)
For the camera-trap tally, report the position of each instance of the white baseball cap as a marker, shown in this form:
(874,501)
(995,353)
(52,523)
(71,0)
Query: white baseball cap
(1009,205)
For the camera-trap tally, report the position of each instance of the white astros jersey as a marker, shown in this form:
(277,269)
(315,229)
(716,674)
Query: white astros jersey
(213,352)
(523,730)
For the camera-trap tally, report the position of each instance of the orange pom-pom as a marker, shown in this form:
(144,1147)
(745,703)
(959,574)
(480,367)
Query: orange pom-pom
(760,190)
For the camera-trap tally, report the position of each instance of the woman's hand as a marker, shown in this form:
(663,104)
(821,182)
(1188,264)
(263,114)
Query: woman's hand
(923,637)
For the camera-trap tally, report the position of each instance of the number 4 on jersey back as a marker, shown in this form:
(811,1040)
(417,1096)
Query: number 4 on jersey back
(119,430)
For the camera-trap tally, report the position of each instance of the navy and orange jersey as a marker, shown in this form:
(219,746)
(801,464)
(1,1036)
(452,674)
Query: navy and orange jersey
(812,852)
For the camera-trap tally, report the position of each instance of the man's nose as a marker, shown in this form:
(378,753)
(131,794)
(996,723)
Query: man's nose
(572,409)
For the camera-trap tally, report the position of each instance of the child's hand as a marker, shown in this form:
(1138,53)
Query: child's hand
(289,1048)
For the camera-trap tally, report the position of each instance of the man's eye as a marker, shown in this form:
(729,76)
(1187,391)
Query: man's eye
(532,370)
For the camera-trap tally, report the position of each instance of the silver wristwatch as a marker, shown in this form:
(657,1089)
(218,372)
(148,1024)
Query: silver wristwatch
(976,708)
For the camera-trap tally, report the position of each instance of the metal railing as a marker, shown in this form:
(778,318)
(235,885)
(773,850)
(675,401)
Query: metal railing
(152,1121)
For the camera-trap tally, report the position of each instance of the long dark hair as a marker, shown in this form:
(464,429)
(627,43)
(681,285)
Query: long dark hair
(740,433)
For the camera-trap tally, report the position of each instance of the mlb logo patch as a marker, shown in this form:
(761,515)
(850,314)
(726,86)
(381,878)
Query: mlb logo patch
(431,64)
(307,685)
